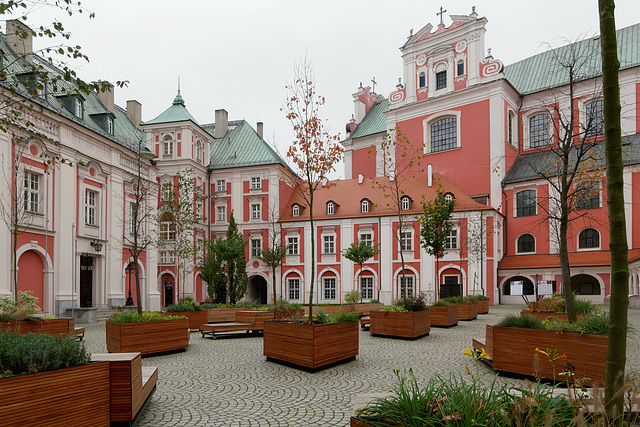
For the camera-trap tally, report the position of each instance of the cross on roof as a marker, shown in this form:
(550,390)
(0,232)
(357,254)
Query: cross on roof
(373,80)
(441,13)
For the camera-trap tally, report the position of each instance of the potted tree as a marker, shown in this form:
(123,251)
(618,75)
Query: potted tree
(407,318)
(321,340)
(151,332)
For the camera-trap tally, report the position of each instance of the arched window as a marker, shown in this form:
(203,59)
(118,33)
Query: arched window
(330,208)
(444,134)
(526,243)
(295,210)
(422,82)
(364,206)
(589,238)
(405,203)
(167,146)
(460,66)
(199,151)
(539,130)
(78,111)
(448,197)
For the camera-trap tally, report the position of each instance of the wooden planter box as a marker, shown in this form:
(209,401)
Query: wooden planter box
(467,311)
(361,309)
(411,324)
(483,306)
(514,351)
(147,337)
(77,396)
(53,327)
(196,318)
(220,315)
(444,316)
(310,346)
(357,422)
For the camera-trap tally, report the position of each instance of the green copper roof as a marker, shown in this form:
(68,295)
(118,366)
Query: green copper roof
(176,113)
(374,121)
(543,71)
(241,146)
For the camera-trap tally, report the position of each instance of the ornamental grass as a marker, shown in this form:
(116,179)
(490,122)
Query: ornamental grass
(147,316)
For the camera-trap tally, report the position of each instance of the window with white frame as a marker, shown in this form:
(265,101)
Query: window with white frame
(198,150)
(167,257)
(295,210)
(589,238)
(167,146)
(133,217)
(594,120)
(406,285)
(460,67)
(405,203)
(294,288)
(330,208)
(255,211)
(526,203)
(221,186)
(406,240)
(539,130)
(449,197)
(256,247)
(366,287)
(422,80)
(256,183)
(110,125)
(31,192)
(167,230)
(90,206)
(329,287)
(441,80)
(366,239)
(167,191)
(588,195)
(364,206)
(329,244)
(444,134)
(292,245)
(512,126)
(221,213)
(451,241)
(78,110)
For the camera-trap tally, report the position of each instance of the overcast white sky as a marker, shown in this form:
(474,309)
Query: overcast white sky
(239,54)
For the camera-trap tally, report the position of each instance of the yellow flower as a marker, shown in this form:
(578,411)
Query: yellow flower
(468,352)
(484,355)
(540,351)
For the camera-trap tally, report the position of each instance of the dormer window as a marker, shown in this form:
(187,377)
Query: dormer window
(78,110)
(110,125)
(295,210)
(364,206)
(405,203)
(441,80)
(448,197)
(331,208)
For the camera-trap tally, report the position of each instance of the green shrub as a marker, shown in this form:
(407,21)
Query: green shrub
(212,305)
(583,306)
(471,298)
(455,300)
(339,316)
(283,305)
(22,309)
(482,297)
(186,305)
(31,353)
(147,316)
(527,322)
(441,303)
(353,297)
(413,303)
(555,304)
(596,323)
(395,308)
(374,301)
(247,304)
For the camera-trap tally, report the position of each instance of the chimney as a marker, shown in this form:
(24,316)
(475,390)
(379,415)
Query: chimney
(259,129)
(429,176)
(134,112)
(20,39)
(106,97)
(222,123)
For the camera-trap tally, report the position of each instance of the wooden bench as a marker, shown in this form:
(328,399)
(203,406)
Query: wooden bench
(130,385)
(249,321)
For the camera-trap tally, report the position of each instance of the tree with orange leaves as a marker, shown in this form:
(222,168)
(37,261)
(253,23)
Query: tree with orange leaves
(313,152)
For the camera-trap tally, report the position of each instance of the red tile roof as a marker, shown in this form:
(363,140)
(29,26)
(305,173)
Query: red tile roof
(347,194)
(576,259)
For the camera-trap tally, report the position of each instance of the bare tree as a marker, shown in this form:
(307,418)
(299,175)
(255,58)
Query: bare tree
(274,254)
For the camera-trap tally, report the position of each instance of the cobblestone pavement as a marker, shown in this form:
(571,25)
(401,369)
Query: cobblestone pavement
(228,382)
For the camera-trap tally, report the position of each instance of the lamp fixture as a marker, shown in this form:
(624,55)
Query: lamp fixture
(97,245)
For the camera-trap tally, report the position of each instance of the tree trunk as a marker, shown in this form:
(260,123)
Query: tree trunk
(274,285)
(313,259)
(138,290)
(564,264)
(619,300)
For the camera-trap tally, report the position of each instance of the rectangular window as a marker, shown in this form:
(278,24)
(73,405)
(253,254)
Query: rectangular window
(460,68)
(330,288)
(31,192)
(452,240)
(366,239)
(167,257)
(526,203)
(167,230)
(221,186)
(167,191)
(255,211)
(256,183)
(588,196)
(538,130)
(256,247)
(444,134)
(294,289)
(329,245)
(90,199)
(222,213)
(441,80)
(406,285)
(594,112)
(292,246)
(133,217)
(406,241)
(366,285)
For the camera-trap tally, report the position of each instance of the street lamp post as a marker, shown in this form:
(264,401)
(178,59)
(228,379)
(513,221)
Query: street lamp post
(130,269)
